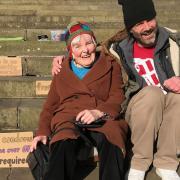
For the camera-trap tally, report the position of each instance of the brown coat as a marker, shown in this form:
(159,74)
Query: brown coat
(100,89)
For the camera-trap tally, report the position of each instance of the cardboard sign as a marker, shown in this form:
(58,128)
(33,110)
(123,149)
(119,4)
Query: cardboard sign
(14,148)
(10,66)
(42,87)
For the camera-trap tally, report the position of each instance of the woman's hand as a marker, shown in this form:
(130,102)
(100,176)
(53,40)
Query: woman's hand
(88,116)
(37,139)
(173,84)
(56,65)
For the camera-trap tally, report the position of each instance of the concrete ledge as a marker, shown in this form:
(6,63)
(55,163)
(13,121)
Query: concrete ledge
(20,87)
(20,114)
(28,48)
(90,172)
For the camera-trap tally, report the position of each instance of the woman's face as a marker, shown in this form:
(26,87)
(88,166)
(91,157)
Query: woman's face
(83,50)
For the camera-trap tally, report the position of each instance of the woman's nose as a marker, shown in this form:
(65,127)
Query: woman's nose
(84,48)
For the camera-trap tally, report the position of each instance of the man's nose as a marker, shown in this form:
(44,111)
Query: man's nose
(146,25)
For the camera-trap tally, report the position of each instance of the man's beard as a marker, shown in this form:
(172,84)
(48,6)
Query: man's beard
(147,42)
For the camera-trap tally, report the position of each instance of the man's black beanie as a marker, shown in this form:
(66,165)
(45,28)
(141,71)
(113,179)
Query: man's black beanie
(135,11)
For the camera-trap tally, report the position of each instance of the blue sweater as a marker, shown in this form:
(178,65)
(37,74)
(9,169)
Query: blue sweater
(80,72)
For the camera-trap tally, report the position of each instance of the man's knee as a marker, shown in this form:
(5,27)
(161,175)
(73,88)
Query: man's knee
(152,92)
(149,96)
(145,107)
(173,99)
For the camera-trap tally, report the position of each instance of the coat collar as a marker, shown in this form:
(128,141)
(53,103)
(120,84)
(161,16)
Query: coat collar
(99,69)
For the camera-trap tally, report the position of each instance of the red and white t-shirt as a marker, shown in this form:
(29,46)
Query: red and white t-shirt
(144,64)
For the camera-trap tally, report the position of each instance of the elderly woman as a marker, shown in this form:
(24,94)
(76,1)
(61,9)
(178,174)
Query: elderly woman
(88,87)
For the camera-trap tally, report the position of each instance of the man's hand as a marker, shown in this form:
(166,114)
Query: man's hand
(56,65)
(173,84)
(37,139)
(88,116)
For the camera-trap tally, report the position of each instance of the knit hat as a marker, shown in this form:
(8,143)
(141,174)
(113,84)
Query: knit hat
(74,29)
(135,11)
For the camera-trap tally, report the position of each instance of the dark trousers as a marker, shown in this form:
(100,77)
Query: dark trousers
(62,161)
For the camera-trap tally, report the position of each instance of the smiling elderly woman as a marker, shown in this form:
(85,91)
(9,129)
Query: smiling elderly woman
(88,87)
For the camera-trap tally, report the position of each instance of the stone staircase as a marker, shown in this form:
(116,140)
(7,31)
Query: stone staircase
(22,96)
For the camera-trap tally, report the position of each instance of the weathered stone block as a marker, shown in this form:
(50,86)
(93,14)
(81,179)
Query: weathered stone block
(8,117)
(19,87)
(29,112)
(13,33)
(29,48)
(16,174)
(38,66)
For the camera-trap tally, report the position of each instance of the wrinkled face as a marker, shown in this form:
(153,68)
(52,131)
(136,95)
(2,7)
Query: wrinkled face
(145,32)
(83,50)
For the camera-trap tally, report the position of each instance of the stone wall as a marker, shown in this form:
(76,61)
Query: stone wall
(21,21)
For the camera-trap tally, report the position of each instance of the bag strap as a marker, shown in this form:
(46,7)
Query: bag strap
(77,129)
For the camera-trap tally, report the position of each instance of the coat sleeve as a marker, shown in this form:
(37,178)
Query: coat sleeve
(112,105)
(49,107)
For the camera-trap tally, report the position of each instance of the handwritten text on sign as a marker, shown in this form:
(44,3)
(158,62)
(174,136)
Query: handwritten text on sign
(10,66)
(14,149)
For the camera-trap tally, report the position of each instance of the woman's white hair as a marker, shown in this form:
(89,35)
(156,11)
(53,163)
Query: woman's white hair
(77,39)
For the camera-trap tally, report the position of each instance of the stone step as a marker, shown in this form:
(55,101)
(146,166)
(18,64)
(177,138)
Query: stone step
(14,8)
(64,12)
(22,114)
(56,2)
(39,2)
(60,7)
(32,34)
(52,21)
(32,48)
(4,32)
(77,4)
(37,66)
(24,87)
(55,14)
(38,15)
(55,22)
(78,13)
(83,5)
(24,173)
(165,3)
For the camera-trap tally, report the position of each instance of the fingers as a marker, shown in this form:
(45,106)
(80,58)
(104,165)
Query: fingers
(79,116)
(58,60)
(37,139)
(173,84)
(56,65)
(86,117)
(55,70)
(44,141)
(33,145)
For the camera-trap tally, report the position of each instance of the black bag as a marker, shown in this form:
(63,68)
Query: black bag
(38,161)
(97,123)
